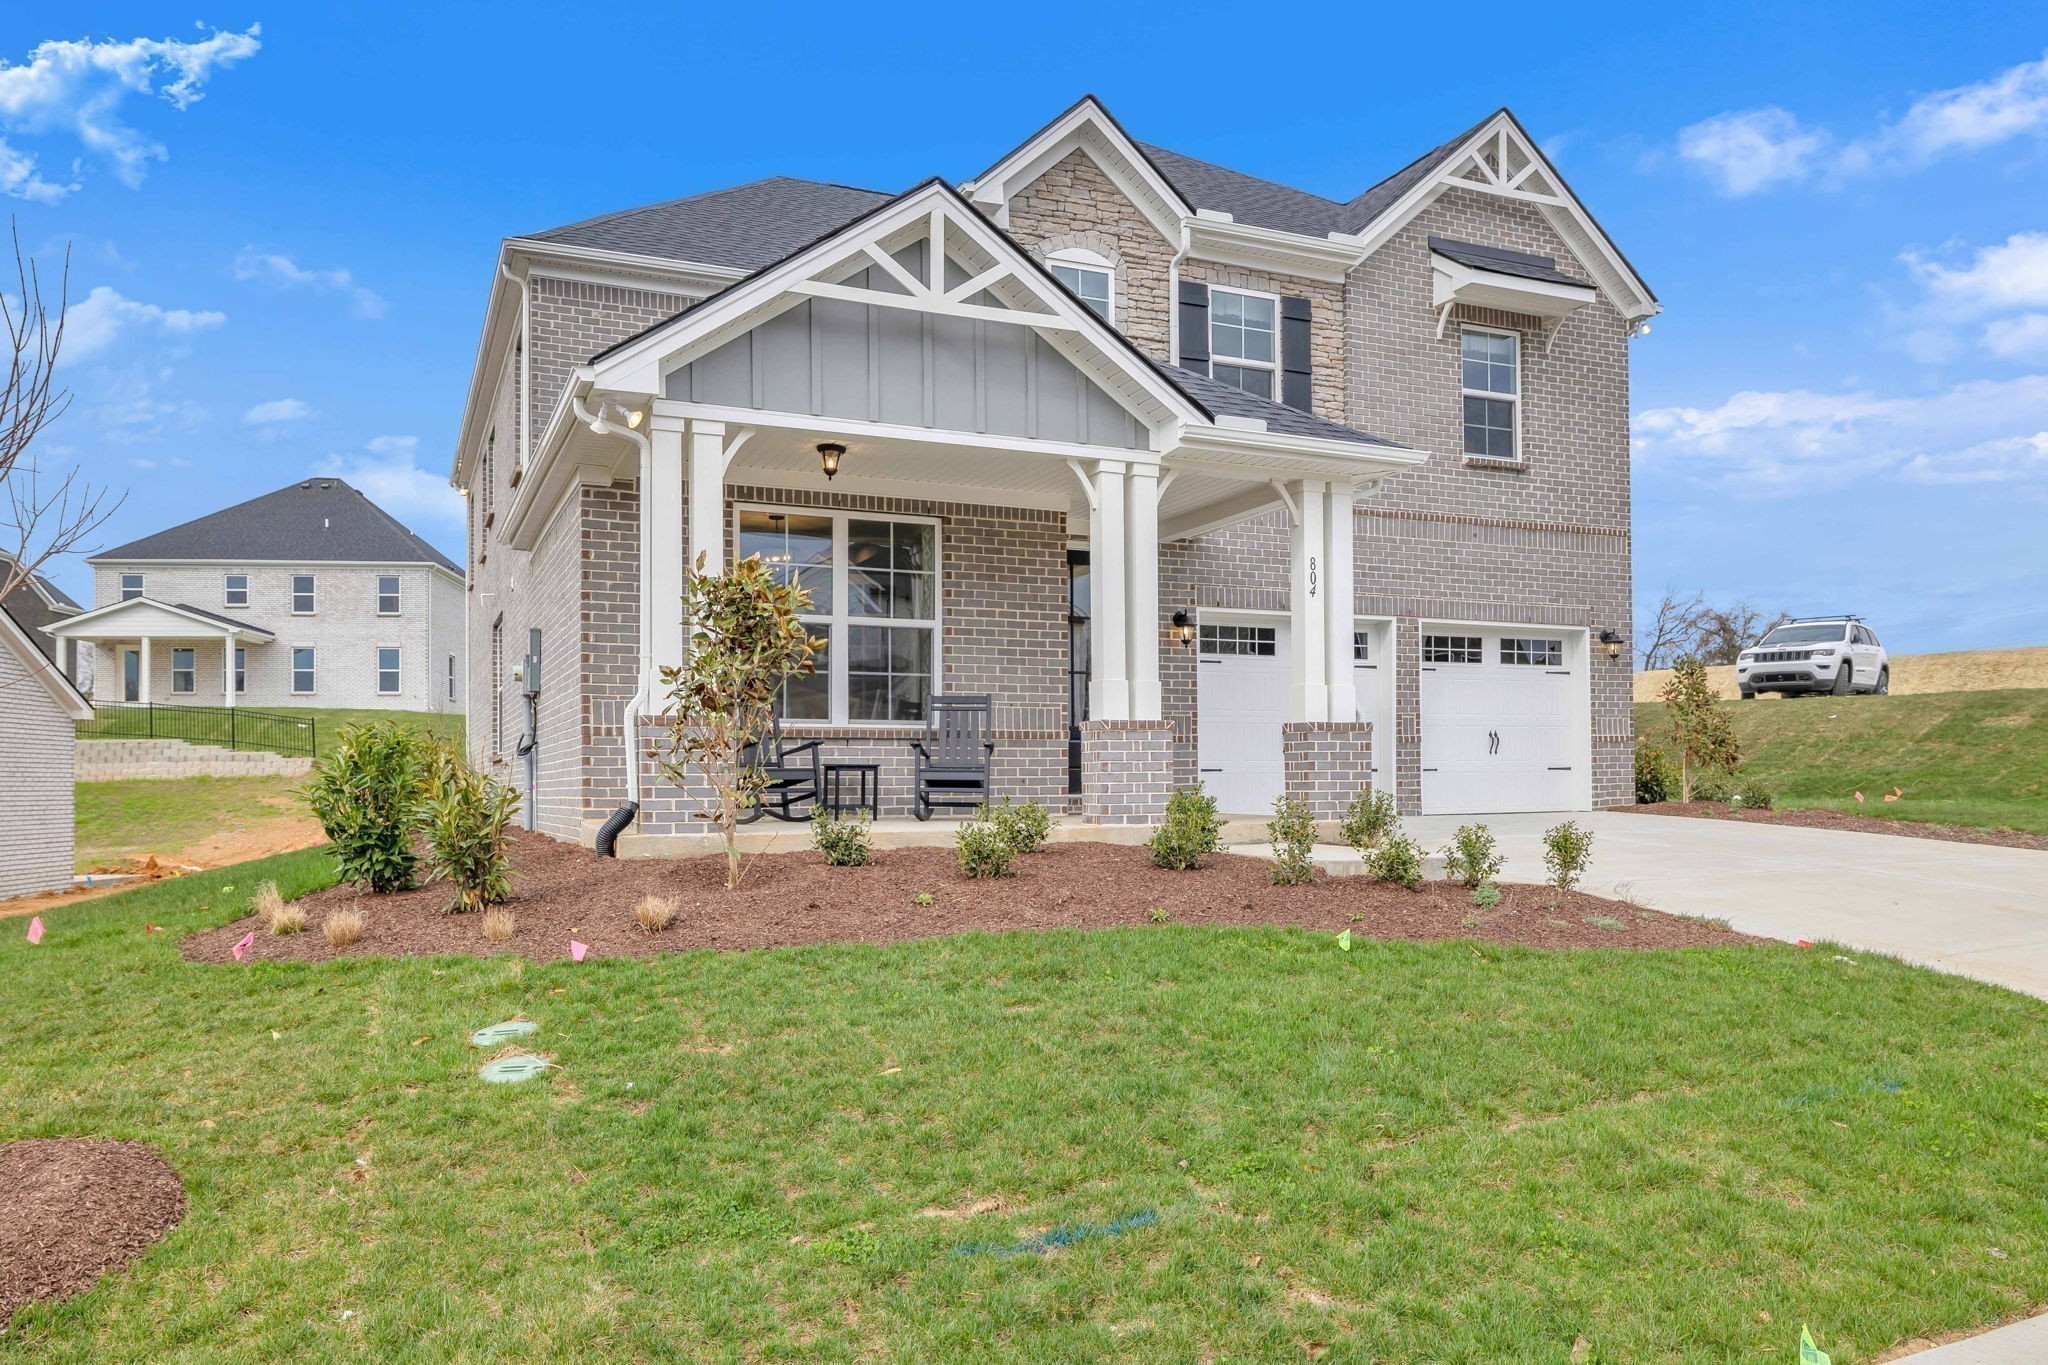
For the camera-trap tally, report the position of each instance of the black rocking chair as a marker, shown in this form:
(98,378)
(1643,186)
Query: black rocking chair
(794,773)
(954,755)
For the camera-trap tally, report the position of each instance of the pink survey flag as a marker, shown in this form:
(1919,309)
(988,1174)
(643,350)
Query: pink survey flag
(244,944)
(35,929)
(577,950)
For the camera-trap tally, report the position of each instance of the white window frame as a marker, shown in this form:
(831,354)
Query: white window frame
(397,594)
(1215,358)
(838,620)
(227,590)
(127,596)
(190,671)
(1081,258)
(313,670)
(451,677)
(1513,400)
(241,669)
(312,593)
(397,670)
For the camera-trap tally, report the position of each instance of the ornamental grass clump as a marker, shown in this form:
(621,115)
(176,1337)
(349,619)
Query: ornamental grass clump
(342,927)
(655,913)
(288,919)
(498,924)
(1190,830)
(1473,857)
(267,902)
(984,852)
(1368,819)
(844,840)
(464,816)
(1293,834)
(366,793)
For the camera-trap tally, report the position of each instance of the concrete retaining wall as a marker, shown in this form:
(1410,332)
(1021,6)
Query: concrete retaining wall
(121,760)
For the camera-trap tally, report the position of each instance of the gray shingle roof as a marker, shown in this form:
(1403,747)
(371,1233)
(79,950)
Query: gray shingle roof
(314,519)
(746,227)
(1223,400)
(224,620)
(1501,261)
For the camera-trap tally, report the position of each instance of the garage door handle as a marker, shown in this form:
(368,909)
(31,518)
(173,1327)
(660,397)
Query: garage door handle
(1212,770)
(1565,769)
(1429,770)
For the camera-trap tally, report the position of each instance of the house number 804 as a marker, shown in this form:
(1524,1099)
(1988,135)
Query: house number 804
(1314,577)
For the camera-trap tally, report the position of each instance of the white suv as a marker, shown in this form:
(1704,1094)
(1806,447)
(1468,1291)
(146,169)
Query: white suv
(1836,654)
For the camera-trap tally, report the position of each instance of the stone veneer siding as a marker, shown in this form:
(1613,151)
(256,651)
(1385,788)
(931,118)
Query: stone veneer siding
(1126,771)
(1326,763)
(1075,204)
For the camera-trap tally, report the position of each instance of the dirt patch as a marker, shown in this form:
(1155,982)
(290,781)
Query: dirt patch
(1835,819)
(77,1209)
(284,835)
(560,892)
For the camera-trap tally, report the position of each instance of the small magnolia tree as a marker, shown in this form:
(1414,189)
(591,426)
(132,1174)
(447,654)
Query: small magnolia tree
(745,641)
(1699,729)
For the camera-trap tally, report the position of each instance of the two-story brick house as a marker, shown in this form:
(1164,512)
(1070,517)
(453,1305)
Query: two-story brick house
(309,596)
(1197,474)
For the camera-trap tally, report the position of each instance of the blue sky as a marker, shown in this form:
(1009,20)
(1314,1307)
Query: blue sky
(284,224)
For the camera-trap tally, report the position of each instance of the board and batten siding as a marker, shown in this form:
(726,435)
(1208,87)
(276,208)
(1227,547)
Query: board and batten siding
(862,362)
(37,751)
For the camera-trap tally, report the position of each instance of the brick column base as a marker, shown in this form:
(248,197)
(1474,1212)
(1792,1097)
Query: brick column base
(1327,762)
(1126,771)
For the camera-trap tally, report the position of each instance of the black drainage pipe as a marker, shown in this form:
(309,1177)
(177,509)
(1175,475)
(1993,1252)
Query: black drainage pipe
(608,836)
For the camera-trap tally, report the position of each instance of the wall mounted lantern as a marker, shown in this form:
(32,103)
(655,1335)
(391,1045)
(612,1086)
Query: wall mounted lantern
(1184,629)
(1611,642)
(828,456)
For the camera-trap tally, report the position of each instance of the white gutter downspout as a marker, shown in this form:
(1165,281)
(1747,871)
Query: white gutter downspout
(637,705)
(525,358)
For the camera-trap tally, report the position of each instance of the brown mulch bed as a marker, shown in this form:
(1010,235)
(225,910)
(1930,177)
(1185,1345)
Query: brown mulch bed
(76,1209)
(560,891)
(1835,819)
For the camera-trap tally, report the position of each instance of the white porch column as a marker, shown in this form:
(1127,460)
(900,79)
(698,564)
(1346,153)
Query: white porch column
(1339,597)
(142,691)
(661,557)
(1109,689)
(707,494)
(227,669)
(1141,554)
(1308,580)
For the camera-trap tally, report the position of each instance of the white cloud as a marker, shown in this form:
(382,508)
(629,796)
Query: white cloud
(277,268)
(77,87)
(388,473)
(1764,444)
(2003,278)
(1752,150)
(278,410)
(2021,338)
(98,320)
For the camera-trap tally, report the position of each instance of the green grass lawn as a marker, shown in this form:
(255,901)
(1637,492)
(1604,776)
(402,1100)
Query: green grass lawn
(150,816)
(112,722)
(1408,1152)
(1967,758)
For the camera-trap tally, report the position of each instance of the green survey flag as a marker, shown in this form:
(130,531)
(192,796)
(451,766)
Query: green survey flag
(1810,1354)
(1344,940)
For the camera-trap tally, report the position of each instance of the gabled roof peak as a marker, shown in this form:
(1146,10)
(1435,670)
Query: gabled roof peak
(320,518)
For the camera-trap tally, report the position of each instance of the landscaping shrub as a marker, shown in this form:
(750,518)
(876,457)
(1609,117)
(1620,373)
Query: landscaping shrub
(1398,859)
(1473,856)
(497,924)
(1656,774)
(365,792)
(1293,832)
(1712,786)
(655,913)
(1751,793)
(1368,819)
(342,927)
(464,817)
(1023,827)
(1191,829)
(1567,848)
(845,842)
(984,852)
(1486,895)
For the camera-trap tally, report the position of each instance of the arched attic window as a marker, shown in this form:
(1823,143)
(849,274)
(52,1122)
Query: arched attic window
(1090,275)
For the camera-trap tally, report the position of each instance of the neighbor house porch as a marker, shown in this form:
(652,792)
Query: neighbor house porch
(149,651)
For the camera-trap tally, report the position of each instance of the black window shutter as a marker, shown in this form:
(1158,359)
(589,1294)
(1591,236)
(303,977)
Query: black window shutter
(1194,326)
(1295,365)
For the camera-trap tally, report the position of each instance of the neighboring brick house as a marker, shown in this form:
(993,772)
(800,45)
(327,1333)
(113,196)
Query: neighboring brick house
(1200,476)
(308,596)
(36,602)
(38,704)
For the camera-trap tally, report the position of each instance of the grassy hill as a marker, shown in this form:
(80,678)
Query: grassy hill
(1976,670)
(1969,758)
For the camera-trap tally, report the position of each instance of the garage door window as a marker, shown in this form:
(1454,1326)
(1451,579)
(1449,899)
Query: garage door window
(1238,640)
(1541,653)
(1361,647)
(1452,649)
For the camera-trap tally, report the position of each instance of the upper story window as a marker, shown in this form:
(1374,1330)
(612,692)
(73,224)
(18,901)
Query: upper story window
(131,586)
(387,594)
(1244,339)
(874,588)
(236,591)
(1492,380)
(1090,276)
(302,594)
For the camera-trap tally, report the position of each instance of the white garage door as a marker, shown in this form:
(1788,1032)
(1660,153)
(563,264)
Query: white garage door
(1241,701)
(1498,722)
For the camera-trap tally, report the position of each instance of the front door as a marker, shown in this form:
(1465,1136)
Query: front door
(131,675)
(1242,697)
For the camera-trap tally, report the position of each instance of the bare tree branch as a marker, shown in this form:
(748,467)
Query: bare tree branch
(1671,628)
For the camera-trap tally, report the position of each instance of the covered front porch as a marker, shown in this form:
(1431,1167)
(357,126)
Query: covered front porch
(149,652)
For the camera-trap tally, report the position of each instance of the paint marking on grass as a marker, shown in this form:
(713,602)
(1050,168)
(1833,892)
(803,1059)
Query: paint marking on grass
(1065,1235)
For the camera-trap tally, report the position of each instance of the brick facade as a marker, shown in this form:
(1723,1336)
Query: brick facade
(36,783)
(1126,771)
(1327,763)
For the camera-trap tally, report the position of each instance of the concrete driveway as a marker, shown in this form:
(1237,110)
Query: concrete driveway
(1967,908)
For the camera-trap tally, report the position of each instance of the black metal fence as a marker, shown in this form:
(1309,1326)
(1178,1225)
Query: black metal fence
(230,727)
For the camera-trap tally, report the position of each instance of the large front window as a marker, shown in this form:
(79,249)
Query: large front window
(874,590)
(1244,340)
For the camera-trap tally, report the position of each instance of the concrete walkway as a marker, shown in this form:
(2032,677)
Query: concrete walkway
(2023,1343)
(1968,908)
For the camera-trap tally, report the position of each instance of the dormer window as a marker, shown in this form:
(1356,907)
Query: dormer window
(1089,275)
(1244,339)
